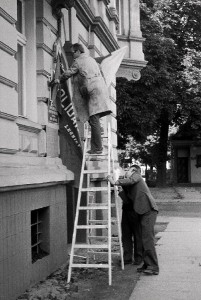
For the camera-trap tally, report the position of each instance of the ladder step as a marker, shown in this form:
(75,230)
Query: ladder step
(101,237)
(93,207)
(101,154)
(89,246)
(90,266)
(101,221)
(96,189)
(103,252)
(95,171)
(91,226)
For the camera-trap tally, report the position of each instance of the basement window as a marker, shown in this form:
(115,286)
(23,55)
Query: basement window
(198,161)
(40,225)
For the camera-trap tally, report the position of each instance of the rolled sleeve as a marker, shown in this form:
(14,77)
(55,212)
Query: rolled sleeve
(70,72)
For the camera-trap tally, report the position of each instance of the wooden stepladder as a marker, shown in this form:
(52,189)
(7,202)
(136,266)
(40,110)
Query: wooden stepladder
(96,243)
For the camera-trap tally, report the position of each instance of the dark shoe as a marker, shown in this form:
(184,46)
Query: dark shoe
(141,269)
(137,263)
(149,271)
(95,152)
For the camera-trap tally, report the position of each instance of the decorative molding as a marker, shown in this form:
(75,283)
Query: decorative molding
(45,48)
(112,15)
(28,128)
(6,116)
(84,13)
(80,37)
(128,63)
(42,99)
(8,82)
(48,24)
(8,151)
(7,49)
(98,26)
(43,73)
(130,38)
(104,34)
(27,125)
(7,17)
(105,1)
(32,186)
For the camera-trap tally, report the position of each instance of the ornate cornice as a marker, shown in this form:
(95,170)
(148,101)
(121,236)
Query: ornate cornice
(97,25)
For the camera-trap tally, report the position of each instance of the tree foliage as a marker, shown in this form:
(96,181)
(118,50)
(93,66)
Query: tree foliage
(168,92)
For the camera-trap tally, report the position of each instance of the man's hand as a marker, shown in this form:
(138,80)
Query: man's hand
(110,179)
(56,81)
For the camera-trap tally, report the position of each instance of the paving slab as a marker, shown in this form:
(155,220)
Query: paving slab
(179,255)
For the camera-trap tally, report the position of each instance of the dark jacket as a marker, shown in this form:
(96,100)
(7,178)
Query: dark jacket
(138,192)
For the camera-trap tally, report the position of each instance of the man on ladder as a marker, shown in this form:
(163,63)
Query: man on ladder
(90,94)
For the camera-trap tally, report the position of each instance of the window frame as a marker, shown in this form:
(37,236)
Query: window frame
(21,41)
(40,226)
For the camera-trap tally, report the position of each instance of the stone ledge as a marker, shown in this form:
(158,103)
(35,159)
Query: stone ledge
(17,172)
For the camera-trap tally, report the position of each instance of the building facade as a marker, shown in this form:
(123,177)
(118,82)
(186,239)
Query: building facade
(38,184)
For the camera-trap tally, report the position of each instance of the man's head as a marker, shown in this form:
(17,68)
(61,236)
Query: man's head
(133,169)
(77,49)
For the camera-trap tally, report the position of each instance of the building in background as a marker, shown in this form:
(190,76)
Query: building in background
(38,184)
(186,156)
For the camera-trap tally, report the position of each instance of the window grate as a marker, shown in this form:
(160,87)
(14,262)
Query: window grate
(39,233)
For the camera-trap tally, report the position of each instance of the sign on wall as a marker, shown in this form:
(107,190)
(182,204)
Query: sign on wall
(52,112)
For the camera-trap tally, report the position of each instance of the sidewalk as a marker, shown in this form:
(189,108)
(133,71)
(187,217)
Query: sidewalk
(179,254)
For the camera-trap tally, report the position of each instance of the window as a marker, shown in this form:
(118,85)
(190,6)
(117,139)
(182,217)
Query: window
(198,161)
(119,8)
(20,56)
(39,233)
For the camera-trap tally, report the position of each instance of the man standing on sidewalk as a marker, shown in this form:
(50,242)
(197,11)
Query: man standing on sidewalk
(146,210)
(131,231)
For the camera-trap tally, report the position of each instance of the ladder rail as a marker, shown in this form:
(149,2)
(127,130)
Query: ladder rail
(109,207)
(118,216)
(92,208)
(77,213)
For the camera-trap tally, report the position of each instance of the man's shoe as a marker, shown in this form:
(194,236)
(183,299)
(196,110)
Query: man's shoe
(95,151)
(151,272)
(137,263)
(141,269)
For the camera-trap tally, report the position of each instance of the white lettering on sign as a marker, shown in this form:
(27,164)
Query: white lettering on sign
(69,108)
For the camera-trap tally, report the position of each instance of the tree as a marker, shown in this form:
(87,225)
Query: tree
(165,94)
